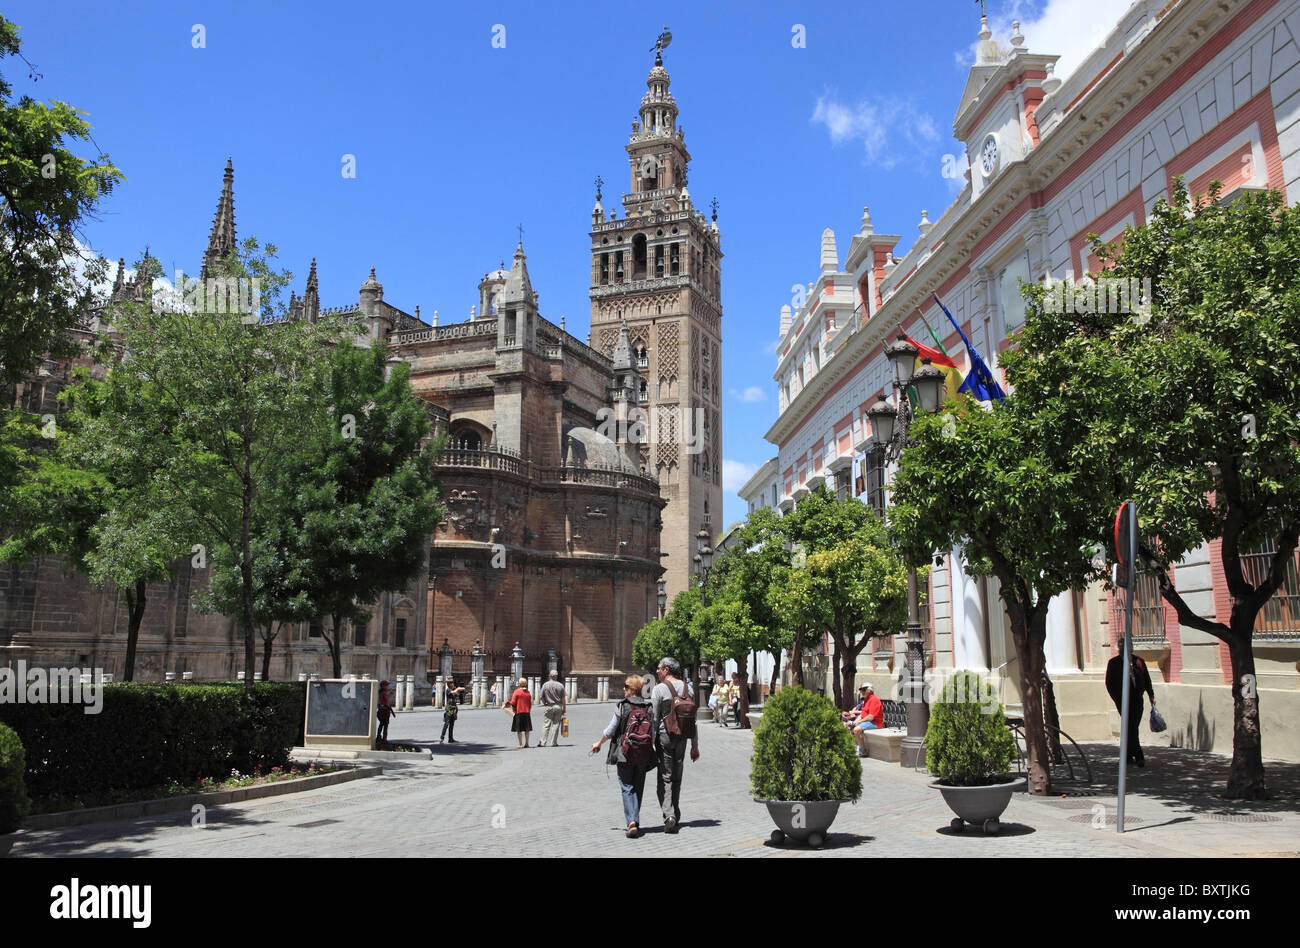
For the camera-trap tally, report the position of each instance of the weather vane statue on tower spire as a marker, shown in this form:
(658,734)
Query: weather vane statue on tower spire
(660,45)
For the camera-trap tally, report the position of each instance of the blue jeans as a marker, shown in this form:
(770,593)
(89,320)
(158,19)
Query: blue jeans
(631,780)
(867,725)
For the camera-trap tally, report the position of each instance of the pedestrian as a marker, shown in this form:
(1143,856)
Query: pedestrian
(384,711)
(631,736)
(522,704)
(450,708)
(734,700)
(492,695)
(554,703)
(672,709)
(1140,681)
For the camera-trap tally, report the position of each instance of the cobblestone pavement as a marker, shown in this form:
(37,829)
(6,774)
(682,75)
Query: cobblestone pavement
(482,797)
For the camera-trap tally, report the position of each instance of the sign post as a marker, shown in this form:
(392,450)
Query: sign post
(1126,555)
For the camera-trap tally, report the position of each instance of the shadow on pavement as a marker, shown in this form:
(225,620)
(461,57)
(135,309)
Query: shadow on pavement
(137,832)
(1007,829)
(1188,781)
(833,841)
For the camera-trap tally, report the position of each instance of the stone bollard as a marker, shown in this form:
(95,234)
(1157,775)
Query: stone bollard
(481,689)
(570,688)
(438,687)
(399,691)
(604,688)
(410,693)
(533,687)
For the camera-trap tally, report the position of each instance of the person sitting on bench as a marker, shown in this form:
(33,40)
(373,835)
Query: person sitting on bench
(872,719)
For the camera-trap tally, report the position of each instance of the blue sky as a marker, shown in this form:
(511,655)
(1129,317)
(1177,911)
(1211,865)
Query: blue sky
(456,142)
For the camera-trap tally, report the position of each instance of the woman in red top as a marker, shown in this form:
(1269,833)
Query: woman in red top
(522,702)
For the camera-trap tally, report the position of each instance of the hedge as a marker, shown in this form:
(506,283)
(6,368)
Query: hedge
(149,735)
(14,804)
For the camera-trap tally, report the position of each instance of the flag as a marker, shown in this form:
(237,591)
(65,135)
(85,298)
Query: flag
(980,384)
(952,377)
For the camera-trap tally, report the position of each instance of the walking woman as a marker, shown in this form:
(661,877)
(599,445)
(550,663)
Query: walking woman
(522,703)
(631,736)
(450,708)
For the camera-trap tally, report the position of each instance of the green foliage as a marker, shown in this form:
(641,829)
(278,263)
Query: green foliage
(149,735)
(14,804)
(670,636)
(1193,405)
(802,751)
(968,743)
(47,191)
(724,628)
(345,517)
(203,409)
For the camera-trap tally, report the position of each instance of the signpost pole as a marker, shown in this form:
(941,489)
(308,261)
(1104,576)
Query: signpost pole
(1129,542)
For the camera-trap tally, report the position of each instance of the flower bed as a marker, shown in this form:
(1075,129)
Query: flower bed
(55,803)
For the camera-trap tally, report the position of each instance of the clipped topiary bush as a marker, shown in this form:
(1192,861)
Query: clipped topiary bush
(14,804)
(968,743)
(802,751)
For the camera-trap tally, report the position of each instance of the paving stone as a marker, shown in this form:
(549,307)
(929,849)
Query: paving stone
(483,797)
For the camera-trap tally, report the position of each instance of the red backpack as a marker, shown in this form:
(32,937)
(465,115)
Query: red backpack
(637,742)
(680,719)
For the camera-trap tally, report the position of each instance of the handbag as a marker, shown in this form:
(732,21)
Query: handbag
(1157,721)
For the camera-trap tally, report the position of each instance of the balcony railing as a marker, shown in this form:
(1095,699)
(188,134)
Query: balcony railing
(1279,620)
(501,459)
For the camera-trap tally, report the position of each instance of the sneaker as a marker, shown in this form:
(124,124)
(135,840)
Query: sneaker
(633,831)
(670,825)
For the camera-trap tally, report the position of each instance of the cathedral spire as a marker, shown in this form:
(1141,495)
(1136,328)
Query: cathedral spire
(222,240)
(311,296)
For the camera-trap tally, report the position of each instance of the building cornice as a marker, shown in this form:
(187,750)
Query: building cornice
(1160,52)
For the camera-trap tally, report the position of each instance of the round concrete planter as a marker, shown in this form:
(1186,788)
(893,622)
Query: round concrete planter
(980,806)
(805,821)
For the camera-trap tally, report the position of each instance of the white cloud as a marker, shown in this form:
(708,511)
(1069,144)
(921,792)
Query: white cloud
(735,473)
(1068,28)
(889,129)
(751,394)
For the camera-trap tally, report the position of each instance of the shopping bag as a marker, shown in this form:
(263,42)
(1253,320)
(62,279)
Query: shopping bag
(1157,721)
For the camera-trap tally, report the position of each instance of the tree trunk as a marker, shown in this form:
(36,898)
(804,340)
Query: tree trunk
(742,665)
(1029,631)
(246,570)
(1246,773)
(336,646)
(1052,719)
(849,675)
(796,661)
(835,679)
(135,603)
(776,671)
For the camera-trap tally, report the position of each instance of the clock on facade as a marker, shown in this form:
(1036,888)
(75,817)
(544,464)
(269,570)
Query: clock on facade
(989,154)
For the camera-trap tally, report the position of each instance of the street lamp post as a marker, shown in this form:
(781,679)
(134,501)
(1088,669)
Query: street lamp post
(703,560)
(890,428)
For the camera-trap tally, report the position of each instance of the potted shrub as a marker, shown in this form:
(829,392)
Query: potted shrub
(804,766)
(969,747)
(14,804)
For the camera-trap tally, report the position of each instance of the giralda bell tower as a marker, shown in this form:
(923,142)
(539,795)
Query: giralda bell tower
(657,271)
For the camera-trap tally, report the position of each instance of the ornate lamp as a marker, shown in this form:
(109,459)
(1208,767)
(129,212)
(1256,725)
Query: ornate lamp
(928,382)
(882,417)
(902,356)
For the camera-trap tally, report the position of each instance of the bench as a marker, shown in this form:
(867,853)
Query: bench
(886,743)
